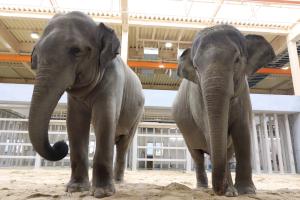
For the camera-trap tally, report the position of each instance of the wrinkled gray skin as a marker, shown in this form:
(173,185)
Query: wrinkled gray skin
(213,109)
(77,56)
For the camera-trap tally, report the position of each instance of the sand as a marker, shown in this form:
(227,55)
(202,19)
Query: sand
(148,185)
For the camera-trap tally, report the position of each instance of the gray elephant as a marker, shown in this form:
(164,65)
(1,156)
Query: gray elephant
(212,108)
(76,55)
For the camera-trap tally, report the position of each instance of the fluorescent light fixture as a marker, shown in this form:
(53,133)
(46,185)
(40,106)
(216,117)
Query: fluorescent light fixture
(285,68)
(34,35)
(151,51)
(161,66)
(7,45)
(168,45)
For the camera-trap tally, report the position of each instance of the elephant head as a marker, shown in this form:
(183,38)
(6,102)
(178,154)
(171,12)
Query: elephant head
(219,61)
(71,55)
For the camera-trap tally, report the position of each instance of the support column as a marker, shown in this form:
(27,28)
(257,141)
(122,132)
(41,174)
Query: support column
(289,144)
(267,144)
(278,142)
(134,152)
(295,68)
(125,27)
(255,146)
(124,45)
(188,160)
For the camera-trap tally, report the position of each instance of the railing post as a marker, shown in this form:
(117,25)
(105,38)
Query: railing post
(255,150)
(267,144)
(289,144)
(37,161)
(134,152)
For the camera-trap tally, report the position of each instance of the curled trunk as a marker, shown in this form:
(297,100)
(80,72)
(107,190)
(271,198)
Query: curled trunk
(43,103)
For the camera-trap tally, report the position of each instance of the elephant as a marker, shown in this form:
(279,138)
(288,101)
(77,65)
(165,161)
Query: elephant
(212,108)
(77,56)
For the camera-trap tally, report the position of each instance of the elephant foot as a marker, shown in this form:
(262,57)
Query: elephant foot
(219,187)
(245,188)
(75,186)
(201,180)
(119,180)
(119,174)
(105,191)
(202,185)
(231,192)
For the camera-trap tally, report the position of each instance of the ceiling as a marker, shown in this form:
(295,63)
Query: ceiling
(147,28)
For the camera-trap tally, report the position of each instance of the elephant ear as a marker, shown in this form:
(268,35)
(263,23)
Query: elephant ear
(33,59)
(260,53)
(185,66)
(108,43)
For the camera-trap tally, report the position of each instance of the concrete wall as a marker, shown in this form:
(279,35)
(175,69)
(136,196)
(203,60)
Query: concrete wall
(275,103)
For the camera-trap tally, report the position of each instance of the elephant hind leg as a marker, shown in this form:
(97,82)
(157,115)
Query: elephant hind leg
(201,176)
(122,145)
(230,190)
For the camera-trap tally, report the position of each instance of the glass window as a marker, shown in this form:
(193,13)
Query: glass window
(141,141)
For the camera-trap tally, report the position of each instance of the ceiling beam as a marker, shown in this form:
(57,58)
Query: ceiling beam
(294,33)
(280,84)
(164,41)
(11,43)
(54,5)
(166,34)
(137,21)
(153,33)
(137,36)
(216,11)
(16,80)
(199,25)
(290,2)
(142,64)
(8,40)
(279,44)
(48,15)
(187,7)
(26,47)
(180,36)
(159,86)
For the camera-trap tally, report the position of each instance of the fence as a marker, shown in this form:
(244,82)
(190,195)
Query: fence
(155,146)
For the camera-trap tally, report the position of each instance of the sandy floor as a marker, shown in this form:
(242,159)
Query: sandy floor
(150,185)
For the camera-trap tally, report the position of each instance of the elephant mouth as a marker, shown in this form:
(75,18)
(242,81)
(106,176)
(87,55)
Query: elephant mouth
(83,88)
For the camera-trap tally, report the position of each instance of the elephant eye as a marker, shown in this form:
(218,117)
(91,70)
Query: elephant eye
(75,51)
(236,60)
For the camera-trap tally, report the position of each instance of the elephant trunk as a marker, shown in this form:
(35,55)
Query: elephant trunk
(44,100)
(216,93)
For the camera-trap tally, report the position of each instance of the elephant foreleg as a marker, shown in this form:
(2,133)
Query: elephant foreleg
(240,132)
(78,124)
(104,121)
